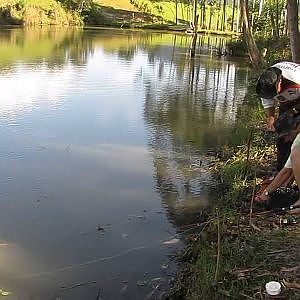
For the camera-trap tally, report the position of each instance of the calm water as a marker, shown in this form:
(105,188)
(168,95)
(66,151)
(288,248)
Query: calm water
(104,136)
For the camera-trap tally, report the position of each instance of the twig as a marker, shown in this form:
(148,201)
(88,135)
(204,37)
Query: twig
(219,248)
(260,293)
(78,285)
(246,296)
(252,200)
(255,227)
(293,269)
(248,150)
(278,251)
(264,274)
(263,213)
(149,296)
(239,230)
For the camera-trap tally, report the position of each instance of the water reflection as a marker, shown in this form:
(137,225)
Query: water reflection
(55,47)
(189,111)
(105,127)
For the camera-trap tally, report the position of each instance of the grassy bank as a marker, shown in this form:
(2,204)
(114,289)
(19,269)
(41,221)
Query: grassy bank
(238,250)
(160,15)
(32,12)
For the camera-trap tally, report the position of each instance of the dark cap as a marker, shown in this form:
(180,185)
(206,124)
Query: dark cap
(286,122)
(266,84)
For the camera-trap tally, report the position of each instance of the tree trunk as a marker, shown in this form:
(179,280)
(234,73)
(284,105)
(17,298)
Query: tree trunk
(176,11)
(195,19)
(224,26)
(273,23)
(233,15)
(194,39)
(277,19)
(203,15)
(210,17)
(261,4)
(238,17)
(255,56)
(292,15)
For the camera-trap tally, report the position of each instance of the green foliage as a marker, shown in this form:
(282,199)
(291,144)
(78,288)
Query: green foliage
(237,47)
(93,15)
(77,5)
(271,21)
(277,48)
(33,12)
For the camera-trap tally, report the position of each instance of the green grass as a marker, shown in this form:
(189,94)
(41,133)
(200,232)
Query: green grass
(117,4)
(33,12)
(43,4)
(249,256)
(162,12)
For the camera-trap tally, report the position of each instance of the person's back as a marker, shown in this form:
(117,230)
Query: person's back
(279,85)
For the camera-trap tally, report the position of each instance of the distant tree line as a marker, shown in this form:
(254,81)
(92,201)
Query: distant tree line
(261,19)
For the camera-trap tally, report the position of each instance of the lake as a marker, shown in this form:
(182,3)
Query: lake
(106,136)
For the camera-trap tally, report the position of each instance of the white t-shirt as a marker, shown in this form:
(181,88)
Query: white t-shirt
(296,142)
(290,71)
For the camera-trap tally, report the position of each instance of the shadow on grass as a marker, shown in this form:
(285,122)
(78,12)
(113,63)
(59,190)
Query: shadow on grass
(109,16)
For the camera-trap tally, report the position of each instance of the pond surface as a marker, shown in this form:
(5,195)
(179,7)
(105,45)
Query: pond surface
(103,154)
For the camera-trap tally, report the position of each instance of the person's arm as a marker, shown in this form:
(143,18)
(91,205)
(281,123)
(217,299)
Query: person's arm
(270,111)
(295,159)
(277,182)
(269,107)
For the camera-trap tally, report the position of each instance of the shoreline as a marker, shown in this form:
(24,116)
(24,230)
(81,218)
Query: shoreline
(239,249)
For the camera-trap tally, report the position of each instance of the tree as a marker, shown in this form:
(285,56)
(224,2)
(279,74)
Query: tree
(292,15)
(176,11)
(254,54)
(233,12)
(77,5)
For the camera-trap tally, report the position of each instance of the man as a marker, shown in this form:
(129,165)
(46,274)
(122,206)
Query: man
(280,85)
(288,127)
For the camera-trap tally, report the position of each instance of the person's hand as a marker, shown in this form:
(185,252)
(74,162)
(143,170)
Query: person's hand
(262,197)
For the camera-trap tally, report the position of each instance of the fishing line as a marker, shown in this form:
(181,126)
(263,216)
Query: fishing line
(108,258)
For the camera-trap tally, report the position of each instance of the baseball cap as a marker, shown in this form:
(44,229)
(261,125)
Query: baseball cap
(286,123)
(266,84)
